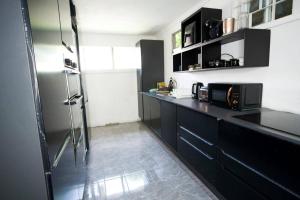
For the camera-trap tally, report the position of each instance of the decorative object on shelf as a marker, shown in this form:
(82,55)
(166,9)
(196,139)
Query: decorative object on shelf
(197,66)
(191,67)
(244,14)
(213,28)
(172,84)
(190,34)
(228,25)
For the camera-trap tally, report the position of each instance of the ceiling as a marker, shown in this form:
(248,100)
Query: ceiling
(129,16)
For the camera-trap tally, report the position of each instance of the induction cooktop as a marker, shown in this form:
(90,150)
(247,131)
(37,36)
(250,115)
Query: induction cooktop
(281,121)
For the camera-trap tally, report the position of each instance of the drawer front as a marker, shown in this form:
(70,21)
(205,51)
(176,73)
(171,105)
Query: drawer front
(233,188)
(274,159)
(258,181)
(204,126)
(201,162)
(203,145)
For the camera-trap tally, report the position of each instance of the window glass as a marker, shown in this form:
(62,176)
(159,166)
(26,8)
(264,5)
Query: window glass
(176,39)
(254,5)
(283,9)
(96,58)
(127,57)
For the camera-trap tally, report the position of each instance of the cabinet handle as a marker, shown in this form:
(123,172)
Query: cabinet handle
(201,152)
(196,136)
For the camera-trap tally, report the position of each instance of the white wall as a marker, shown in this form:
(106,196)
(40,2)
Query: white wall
(112,95)
(281,79)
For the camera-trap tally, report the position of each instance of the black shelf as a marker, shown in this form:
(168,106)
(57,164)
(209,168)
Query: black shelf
(216,69)
(256,44)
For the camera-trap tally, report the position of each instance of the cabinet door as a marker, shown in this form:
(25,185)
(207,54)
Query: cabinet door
(266,163)
(140,106)
(146,105)
(155,115)
(67,34)
(169,123)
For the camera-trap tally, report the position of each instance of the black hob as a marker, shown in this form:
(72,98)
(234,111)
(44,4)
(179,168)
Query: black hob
(281,121)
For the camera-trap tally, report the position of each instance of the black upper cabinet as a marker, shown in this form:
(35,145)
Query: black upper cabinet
(168,123)
(67,34)
(266,163)
(152,68)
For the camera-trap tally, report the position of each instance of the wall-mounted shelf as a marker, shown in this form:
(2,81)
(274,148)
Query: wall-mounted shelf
(256,45)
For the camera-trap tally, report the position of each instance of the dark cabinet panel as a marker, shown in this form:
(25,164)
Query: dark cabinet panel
(140,105)
(202,125)
(147,114)
(152,61)
(155,116)
(169,123)
(233,188)
(200,160)
(267,164)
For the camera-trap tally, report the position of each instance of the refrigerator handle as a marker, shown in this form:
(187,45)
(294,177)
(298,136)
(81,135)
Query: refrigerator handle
(61,151)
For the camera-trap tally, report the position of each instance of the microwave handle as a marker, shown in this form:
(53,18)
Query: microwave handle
(229,94)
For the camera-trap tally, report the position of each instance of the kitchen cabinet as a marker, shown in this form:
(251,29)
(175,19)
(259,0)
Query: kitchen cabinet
(197,135)
(267,164)
(169,124)
(140,106)
(152,114)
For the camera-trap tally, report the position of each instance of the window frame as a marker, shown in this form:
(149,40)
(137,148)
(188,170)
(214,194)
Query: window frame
(174,48)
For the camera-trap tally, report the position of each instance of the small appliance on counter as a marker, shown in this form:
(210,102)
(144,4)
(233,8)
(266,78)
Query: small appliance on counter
(203,94)
(195,89)
(236,96)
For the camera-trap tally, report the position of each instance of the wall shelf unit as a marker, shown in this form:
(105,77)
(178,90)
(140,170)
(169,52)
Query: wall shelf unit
(256,45)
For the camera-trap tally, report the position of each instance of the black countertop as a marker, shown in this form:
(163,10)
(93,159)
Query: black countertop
(228,115)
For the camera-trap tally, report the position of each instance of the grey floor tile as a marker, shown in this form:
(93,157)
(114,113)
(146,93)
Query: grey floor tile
(127,162)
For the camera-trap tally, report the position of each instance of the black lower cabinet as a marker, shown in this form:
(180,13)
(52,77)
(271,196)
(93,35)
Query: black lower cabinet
(233,188)
(147,114)
(155,116)
(265,163)
(195,143)
(152,113)
(140,105)
(169,123)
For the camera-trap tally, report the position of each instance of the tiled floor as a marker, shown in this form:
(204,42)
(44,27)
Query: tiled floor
(128,162)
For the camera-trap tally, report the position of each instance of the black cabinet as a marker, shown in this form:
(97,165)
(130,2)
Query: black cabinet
(152,64)
(197,135)
(169,123)
(152,113)
(265,163)
(140,106)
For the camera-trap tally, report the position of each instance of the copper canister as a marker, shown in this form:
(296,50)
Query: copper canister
(228,25)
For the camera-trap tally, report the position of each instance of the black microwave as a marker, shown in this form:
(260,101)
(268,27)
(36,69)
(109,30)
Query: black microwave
(236,96)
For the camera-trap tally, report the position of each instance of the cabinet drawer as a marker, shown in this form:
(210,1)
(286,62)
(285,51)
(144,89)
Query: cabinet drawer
(204,126)
(201,162)
(271,164)
(203,145)
(233,188)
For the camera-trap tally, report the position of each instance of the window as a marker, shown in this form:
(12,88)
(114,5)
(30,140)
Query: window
(176,40)
(97,58)
(127,57)
(262,11)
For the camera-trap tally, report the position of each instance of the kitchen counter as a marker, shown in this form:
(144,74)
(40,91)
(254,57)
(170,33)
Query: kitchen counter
(228,115)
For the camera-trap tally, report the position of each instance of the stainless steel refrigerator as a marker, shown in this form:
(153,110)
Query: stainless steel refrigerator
(42,126)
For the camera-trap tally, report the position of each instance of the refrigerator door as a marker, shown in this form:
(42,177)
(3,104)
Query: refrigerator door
(64,173)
